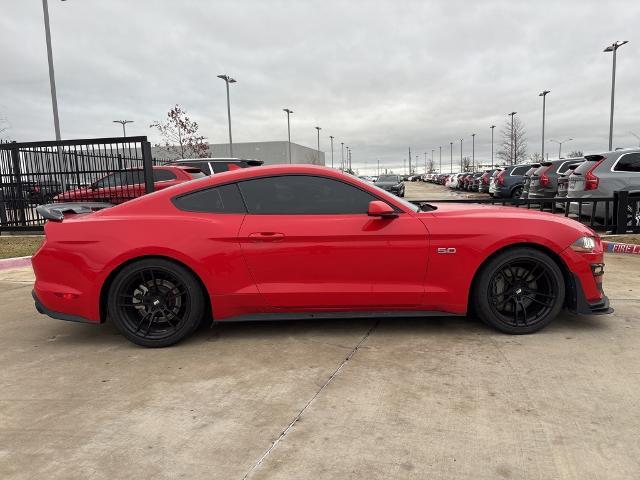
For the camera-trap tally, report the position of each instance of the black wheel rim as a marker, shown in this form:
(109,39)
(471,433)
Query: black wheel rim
(522,292)
(153,303)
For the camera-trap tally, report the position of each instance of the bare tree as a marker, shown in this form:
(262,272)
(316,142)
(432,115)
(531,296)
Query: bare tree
(517,141)
(430,166)
(466,164)
(575,154)
(180,134)
(535,157)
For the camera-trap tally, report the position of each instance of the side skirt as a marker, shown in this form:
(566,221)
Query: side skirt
(338,315)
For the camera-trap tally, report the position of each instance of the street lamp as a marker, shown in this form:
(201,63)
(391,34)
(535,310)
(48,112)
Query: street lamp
(492,129)
(513,140)
(543,94)
(460,154)
(613,48)
(227,80)
(342,156)
(331,137)
(440,158)
(451,160)
(123,123)
(289,112)
(473,152)
(560,145)
(318,129)
(52,78)
(433,160)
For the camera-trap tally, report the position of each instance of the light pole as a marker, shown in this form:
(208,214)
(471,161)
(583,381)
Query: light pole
(451,166)
(440,158)
(123,123)
(289,112)
(433,160)
(227,80)
(425,162)
(331,138)
(613,48)
(560,145)
(492,129)
(512,139)
(543,94)
(342,156)
(318,129)
(473,152)
(52,78)
(460,154)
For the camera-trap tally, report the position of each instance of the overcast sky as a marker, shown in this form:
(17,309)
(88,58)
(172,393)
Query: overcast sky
(380,76)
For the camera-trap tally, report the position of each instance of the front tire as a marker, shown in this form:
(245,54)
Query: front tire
(517,192)
(519,291)
(155,302)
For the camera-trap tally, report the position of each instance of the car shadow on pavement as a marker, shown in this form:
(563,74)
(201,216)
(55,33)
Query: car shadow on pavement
(106,334)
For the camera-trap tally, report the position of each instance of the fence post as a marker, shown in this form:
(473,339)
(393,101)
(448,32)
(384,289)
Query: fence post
(3,205)
(147,166)
(621,199)
(17,172)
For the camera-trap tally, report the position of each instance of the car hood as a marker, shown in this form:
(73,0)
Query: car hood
(387,184)
(494,213)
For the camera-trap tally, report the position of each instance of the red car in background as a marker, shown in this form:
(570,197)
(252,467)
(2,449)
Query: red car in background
(295,242)
(119,187)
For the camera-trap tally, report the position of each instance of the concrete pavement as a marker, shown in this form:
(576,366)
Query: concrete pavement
(438,398)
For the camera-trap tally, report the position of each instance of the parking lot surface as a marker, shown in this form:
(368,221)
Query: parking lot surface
(437,398)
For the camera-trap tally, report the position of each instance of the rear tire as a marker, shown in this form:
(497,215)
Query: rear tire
(518,291)
(155,302)
(517,192)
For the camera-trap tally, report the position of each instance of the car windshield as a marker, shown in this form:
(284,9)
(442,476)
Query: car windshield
(388,178)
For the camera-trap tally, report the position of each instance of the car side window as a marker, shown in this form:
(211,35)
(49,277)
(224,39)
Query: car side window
(520,170)
(163,175)
(629,162)
(303,195)
(222,199)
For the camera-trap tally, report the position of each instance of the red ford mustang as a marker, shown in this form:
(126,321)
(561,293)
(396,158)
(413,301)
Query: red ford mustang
(284,242)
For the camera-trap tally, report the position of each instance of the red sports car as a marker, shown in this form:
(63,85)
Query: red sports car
(284,242)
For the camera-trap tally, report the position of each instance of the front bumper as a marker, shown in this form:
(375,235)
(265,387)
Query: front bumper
(577,301)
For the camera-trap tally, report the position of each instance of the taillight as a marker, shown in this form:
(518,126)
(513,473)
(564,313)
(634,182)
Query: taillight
(485,179)
(591,182)
(544,180)
(500,178)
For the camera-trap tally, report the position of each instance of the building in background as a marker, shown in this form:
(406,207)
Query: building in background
(270,153)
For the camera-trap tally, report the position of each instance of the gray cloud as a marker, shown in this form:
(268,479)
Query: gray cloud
(379,75)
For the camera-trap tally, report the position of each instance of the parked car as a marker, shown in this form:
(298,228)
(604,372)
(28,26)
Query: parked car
(125,185)
(296,241)
(485,180)
(526,179)
(563,180)
(391,183)
(366,178)
(492,181)
(474,182)
(544,180)
(508,183)
(211,166)
(603,174)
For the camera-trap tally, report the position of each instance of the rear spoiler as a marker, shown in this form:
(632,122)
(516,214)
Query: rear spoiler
(55,211)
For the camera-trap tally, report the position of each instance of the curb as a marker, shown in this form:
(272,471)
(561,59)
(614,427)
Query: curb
(16,262)
(627,248)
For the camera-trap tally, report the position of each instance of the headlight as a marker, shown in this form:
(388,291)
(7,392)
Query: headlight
(584,245)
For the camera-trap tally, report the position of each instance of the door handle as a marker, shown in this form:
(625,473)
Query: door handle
(266,236)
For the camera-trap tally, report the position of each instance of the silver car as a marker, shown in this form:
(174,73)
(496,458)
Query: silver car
(601,175)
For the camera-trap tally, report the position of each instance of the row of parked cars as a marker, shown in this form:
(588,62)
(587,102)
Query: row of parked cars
(590,176)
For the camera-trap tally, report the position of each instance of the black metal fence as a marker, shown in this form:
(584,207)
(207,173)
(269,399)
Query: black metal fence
(617,214)
(112,170)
